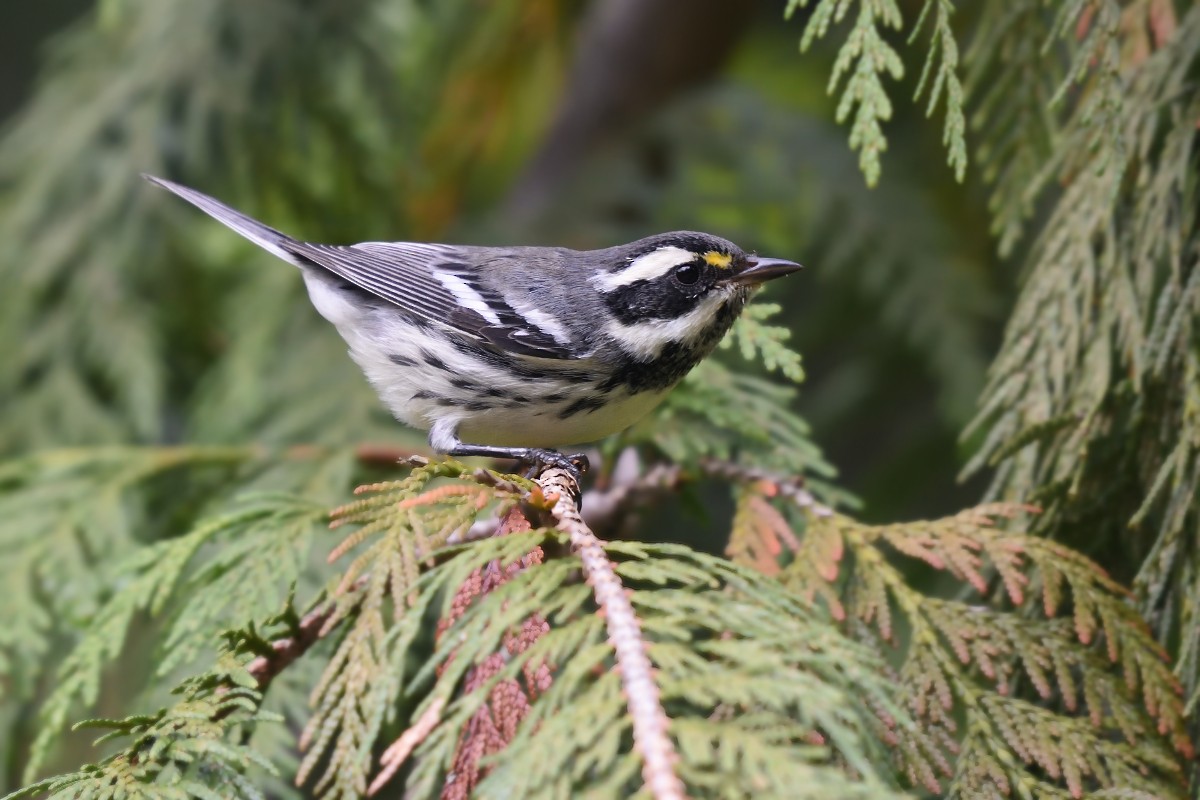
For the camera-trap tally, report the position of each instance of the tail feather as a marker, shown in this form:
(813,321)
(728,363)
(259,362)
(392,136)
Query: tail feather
(262,235)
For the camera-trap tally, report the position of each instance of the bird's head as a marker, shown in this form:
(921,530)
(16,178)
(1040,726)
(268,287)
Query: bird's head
(682,287)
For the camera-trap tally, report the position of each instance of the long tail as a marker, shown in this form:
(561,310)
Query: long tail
(264,236)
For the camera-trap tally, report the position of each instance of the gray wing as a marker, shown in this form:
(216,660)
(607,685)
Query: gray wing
(438,283)
(433,282)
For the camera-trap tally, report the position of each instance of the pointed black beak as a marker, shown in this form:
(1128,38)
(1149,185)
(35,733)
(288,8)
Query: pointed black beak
(764,269)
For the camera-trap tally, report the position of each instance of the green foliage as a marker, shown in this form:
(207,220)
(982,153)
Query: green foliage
(450,635)
(963,661)
(865,57)
(719,635)
(64,511)
(756,340)
(945,81)
(688,603)
(1012,112)
(190,749)
(741,416)
(97,372)
(715,634)
(1090,407)
(262,542)
(378,590)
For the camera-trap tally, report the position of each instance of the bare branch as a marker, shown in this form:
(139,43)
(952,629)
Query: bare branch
(398,752)
(314,626)
(649,719)
(608,509)
(790,487)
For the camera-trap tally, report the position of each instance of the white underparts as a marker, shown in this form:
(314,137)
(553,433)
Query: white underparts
(428,383)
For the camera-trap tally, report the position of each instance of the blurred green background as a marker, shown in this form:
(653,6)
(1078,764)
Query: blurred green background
(545,121)
(127,317)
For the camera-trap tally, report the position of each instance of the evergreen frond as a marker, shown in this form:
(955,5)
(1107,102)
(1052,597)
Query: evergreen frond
(192,749)
(1089,409)
(1114,701)
(738,416)
(701,617)
(63,512)
(381,603)
(1012,77)
(758,341)
(86,247)
(864,58)
(152,577)
(944,70)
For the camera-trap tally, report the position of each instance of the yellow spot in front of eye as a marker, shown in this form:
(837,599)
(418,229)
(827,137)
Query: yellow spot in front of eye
(718,260)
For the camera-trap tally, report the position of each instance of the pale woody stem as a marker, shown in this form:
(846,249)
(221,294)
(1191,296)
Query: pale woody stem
(649,719)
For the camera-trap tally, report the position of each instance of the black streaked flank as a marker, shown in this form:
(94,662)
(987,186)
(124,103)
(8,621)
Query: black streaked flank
(432,360)
(581,405)
(518,366)
(401,361)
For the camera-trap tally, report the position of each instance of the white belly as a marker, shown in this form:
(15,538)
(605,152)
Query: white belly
(420,380)
(545,427)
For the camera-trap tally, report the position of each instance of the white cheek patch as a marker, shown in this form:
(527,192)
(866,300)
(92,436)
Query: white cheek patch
(646,340)
(466,296)
(653,265)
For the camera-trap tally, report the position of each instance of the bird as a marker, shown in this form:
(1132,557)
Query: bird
(515,352)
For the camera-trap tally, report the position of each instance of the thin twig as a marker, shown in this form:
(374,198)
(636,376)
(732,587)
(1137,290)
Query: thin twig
(313,626)
(288,649)
(649,719)
(398,751)
(608,509)
(790,487)
(385,456)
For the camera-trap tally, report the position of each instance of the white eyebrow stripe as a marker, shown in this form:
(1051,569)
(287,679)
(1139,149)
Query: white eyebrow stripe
(646,340)
(465,295)
(652,265)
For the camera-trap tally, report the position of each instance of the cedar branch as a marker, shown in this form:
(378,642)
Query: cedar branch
(649,719)
(313,626)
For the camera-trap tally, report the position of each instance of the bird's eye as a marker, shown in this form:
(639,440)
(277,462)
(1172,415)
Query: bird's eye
(687,274)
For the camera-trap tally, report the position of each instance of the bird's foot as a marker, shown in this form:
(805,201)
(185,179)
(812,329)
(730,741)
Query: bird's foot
(535,459)
(540,459)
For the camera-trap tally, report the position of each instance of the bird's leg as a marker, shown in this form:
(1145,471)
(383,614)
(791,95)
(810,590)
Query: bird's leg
(446,441)
(537,458)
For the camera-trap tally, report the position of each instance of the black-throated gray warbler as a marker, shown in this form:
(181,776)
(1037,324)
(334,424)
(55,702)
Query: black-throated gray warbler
(506,351)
